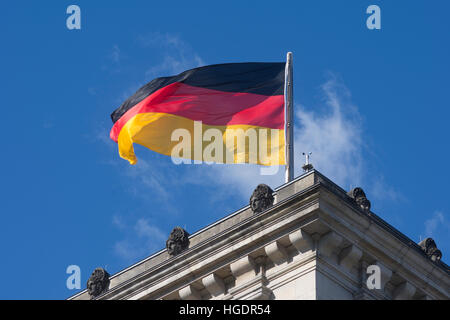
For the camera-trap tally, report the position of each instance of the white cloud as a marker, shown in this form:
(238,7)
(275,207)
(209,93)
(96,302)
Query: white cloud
(176,55)
(381,190)
(115,54)
(173,64)
(126,251)
(155,176)
(118,222)
(145,230)
(113,61)
(140,239)
(333,135)
(235,179)
(101,133)
(438,221)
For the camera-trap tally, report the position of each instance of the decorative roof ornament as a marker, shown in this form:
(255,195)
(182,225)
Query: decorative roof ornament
(429,247)
(261,199)
(98,282)
(178,241)
(358,195)
(307,166)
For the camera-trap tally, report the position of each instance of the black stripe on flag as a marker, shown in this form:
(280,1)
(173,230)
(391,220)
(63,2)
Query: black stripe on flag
(251,77)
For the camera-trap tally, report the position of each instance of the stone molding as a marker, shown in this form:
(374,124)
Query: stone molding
(301,240)
(189,293)
(276,252)
(404,291)
(350,256)
(214,284)
(330,243)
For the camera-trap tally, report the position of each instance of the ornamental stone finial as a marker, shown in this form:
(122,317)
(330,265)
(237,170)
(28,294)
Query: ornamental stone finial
(178,241)
(98,282)
(358,195)
(429,247)
(261,199)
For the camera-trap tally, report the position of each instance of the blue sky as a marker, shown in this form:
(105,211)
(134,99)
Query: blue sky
(372,106)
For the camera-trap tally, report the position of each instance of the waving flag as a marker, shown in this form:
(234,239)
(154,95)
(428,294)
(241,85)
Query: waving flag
(215,111)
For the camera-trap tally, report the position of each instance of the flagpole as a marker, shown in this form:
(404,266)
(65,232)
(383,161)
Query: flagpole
(289,126)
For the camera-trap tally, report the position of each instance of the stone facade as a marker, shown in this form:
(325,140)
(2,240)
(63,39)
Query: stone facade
(315,242)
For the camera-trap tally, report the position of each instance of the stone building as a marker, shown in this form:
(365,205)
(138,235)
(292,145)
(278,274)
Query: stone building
(308,239)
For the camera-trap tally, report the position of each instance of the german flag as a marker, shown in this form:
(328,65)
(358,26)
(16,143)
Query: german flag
(224,113)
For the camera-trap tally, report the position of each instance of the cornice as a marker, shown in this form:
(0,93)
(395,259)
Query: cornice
(256,231)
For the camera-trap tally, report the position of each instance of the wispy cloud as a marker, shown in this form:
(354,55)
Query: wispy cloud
(141,239)
(151,181)
(175,54)
(113,61)
(436,223)
(381,190)
(333,133)
(115,54)
(101,133)
(232,180)
(156,177)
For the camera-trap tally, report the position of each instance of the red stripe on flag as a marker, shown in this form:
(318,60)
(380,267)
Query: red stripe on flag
(212,107)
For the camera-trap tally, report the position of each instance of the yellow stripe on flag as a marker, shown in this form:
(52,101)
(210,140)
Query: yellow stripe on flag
(181,137)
